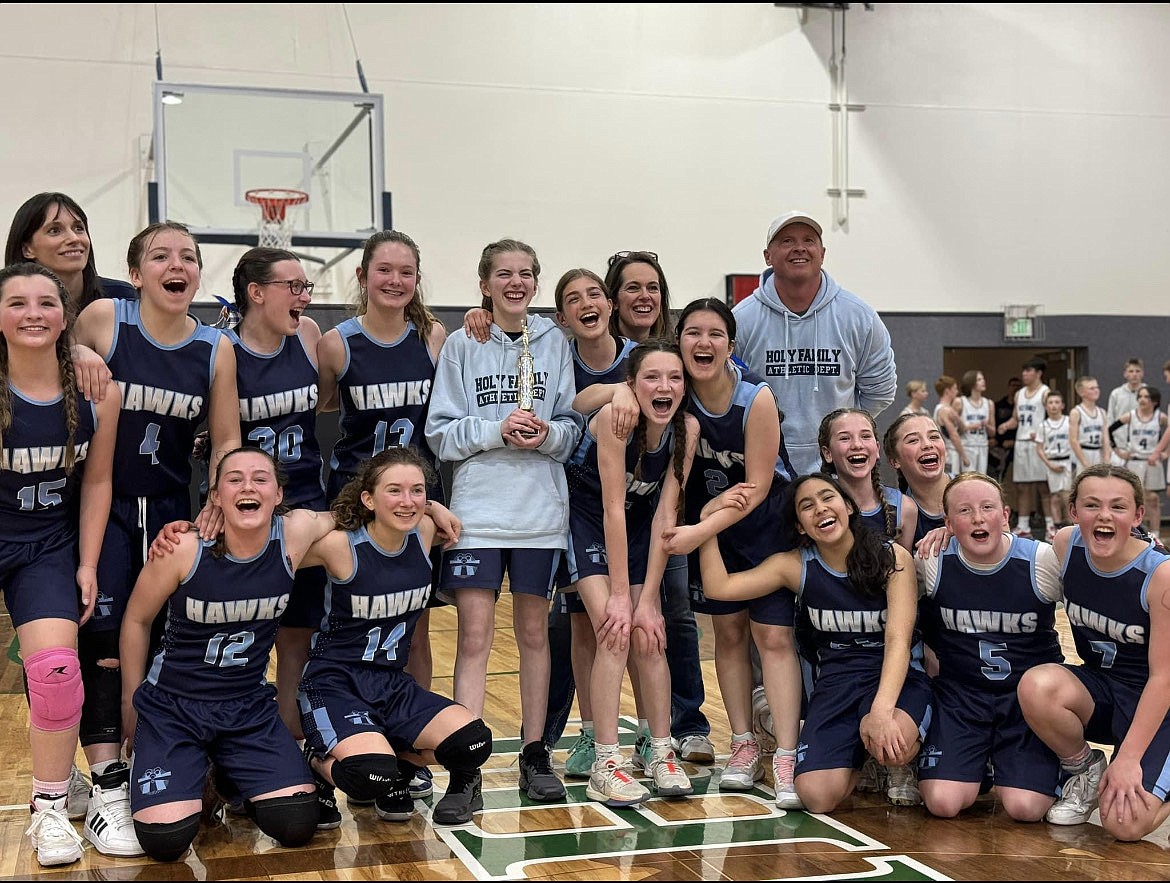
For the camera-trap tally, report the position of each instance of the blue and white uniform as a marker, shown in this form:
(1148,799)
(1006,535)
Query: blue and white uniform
(974,431)
(1143,436)
(848,633)
(38,507)
(1055,439)
(1091,433)
(384,391)
(1029,412)
(719,463)
(355,680)
(987,626)
(278,414)
(1110,619)
(166,396)
(587,554)
(876,518)
(206,696)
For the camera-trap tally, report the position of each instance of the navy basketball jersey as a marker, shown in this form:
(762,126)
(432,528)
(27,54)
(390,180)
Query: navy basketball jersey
(384,391)
(166,392)
(642,490)
(221,622)
(615,373)
(719,463)
(848,628)
(278,412)
(989,626)
(927,521)
(36,494)
(875,518)
(1108,613)
(370,617)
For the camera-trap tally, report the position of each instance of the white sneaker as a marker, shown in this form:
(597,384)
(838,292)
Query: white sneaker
(670,780)
(783,774)
(902,786)
(77,801)
(52,836)
(109,825)
(610,783)
(1079,795)
(743,767)
(762,721)
(696,748)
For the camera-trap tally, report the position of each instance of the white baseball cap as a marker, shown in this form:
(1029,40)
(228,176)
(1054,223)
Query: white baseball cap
(784,220)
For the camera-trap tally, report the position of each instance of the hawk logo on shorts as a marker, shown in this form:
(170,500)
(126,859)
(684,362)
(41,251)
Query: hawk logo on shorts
(596,554)
(154,781)
(105,604)
(359,718)
(464,565)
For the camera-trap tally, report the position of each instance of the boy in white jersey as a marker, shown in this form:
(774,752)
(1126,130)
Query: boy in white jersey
(1086,427)
(1056,452)
(1029,474)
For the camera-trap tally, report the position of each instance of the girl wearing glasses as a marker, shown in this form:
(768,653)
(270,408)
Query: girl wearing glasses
(276,377)
(378,368)
(175,374)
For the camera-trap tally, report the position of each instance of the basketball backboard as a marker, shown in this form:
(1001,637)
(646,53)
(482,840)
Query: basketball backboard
(212,144)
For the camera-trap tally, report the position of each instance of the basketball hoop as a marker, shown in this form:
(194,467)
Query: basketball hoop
(275,220)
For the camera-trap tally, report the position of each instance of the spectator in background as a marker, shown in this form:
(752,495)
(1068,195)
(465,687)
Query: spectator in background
(916,392)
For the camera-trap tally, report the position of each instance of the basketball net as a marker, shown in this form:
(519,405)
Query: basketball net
(275,216)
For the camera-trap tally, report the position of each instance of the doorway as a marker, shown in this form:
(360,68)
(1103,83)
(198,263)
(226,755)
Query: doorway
(1001,364)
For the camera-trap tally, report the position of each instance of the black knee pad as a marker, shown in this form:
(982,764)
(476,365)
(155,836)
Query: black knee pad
(167,841)
(101,709)
(365,776)
(290,821)
(468,748)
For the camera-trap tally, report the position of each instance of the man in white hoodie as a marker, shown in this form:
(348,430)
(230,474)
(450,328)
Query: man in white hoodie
(819,346)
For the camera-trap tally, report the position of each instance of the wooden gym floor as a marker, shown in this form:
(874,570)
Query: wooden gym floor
(707,837)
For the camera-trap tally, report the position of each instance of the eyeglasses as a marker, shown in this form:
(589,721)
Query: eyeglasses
(633,255)
(295,286)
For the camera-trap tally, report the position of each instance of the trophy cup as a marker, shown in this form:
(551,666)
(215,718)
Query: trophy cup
(525,376)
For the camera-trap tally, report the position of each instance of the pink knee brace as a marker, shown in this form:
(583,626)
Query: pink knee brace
(54,689)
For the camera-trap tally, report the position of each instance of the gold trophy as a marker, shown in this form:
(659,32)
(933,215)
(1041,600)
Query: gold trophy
(525,376)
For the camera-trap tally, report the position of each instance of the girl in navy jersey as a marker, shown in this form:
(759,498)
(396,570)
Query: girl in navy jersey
(849,450)
(205,695)
(49,551)
(276,379)
(175,375)
(988,609)
(1117,596)
(914,447)
(509,489)
(741,451)
(870,693)
(368,724)
(623,493)
(378,368)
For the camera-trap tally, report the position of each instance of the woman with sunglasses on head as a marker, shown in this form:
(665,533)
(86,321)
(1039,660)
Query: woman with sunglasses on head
(276,378)
(377,368)
(51,229)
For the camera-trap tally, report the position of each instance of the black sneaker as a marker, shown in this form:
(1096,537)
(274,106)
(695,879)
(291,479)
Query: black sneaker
(536,774)
(464,798)
(396,805)
(329,815)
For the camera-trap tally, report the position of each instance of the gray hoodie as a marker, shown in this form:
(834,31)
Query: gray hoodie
(836,354)
(506,497)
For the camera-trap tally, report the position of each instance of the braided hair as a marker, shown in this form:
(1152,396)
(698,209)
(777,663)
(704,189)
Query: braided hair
(824,437)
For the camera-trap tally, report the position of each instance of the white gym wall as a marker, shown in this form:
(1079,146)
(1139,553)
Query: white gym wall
(1010,153)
